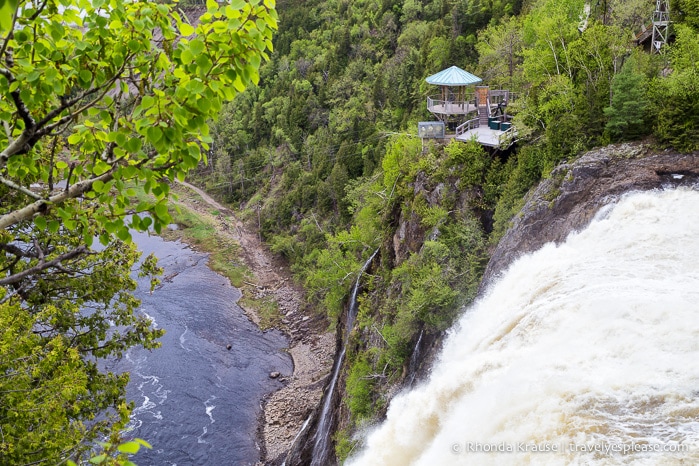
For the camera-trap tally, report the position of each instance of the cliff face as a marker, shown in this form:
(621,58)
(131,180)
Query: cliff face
(573,194)
(564,202)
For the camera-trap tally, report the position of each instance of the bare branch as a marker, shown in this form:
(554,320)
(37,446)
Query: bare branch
(39,251)
(39,10)
(74,191)
(15,292)
(19,145)
(41,266)
(16,250)
(16,187)
(21,107)
(11,31)
(8,131)
(33,130)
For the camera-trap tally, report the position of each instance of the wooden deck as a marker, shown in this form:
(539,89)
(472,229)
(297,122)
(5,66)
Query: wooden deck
(441,107)
(489,137)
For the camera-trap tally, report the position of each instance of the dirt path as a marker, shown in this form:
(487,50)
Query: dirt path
(311,347)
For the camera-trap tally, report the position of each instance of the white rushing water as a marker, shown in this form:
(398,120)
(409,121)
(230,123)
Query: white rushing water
(584,350)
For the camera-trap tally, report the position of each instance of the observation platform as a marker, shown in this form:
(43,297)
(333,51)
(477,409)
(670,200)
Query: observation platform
(481,113)
(489,137)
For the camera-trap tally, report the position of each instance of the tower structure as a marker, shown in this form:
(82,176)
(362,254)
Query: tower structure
(661,25)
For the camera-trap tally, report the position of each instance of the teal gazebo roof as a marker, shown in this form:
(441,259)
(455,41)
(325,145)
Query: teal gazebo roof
(453,76)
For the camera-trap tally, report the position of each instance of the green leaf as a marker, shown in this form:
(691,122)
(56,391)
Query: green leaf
(134,145)
(7,11)
(134,45)
(204,105)
(101,167)
(40,222)
(130,448)
(196,46)
(154,134)
(124,235)
(161,211)
(186,56)
(186,30)
(238,84)
(74,138)
(86,76)
(99,459)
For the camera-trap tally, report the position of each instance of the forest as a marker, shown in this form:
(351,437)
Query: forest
(324,152)
(308,126)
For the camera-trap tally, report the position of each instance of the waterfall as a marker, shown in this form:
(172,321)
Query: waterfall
(322,443)
(584,353)
(415,360)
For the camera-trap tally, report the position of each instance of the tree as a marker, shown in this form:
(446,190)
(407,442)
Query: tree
(688,12)
(99,99)
(675,99)
(626,114)
(597,56)
(500,51)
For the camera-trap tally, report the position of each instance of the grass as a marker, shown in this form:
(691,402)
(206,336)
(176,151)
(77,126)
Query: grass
(199,231)
(266,307)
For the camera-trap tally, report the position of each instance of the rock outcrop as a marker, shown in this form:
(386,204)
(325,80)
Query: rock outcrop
(573,194)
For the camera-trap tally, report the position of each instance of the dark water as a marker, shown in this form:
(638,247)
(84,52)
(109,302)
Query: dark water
(196,401)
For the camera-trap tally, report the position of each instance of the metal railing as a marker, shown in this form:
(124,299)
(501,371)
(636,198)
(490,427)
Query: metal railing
(507,138)
(450,107)
(467,126)
(498,96)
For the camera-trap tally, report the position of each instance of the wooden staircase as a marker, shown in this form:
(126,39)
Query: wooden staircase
(483,100)
(483,114)
(645,34)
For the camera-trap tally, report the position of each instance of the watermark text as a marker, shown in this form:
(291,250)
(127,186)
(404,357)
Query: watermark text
(551,447)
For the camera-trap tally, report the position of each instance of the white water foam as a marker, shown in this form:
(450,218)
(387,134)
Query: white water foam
(153,323)
(200,439)
(210,408)
(585,348)
(183,339)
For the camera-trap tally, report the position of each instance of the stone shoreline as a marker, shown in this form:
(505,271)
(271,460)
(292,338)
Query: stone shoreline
(311,346)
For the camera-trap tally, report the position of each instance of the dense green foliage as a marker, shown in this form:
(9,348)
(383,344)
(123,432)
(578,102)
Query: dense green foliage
(96,97)
(322,151)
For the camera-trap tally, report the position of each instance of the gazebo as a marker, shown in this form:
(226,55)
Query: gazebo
(453,103)
(489,125)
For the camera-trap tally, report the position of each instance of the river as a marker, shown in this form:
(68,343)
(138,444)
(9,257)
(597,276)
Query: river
(198,402)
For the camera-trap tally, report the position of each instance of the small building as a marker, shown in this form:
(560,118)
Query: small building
(479,114)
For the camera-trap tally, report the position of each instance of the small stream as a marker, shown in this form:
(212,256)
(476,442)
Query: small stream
(197,402)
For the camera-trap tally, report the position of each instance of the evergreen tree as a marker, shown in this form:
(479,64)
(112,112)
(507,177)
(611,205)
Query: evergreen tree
(626,114)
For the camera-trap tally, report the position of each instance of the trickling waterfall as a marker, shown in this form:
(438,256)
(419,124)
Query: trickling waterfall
(585,353)
(415,359)
(322,443)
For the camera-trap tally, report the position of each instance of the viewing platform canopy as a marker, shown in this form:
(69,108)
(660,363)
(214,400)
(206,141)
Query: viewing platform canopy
(454,102)
(453,77)
(479,115)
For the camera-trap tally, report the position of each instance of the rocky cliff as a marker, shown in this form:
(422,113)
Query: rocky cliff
(573,194)
(565,201)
